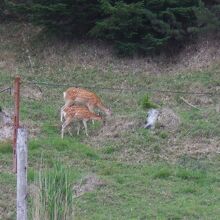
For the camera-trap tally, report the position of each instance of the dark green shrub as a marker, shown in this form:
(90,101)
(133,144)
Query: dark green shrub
(144,27)
(67,17)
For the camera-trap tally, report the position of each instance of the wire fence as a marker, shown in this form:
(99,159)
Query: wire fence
(43,116)
(117,89)
(8,89)
(133,89)
(54,100)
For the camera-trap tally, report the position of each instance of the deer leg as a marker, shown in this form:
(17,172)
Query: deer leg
(85,126)
(91,109)
(65,124)
(67,104)
(78,127)
(61,114)
(69,130)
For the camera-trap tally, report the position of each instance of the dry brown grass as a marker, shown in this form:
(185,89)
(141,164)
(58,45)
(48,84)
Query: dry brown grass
(6,126)
(100,56)
(114,129)
(197,148)
(23,38)
(168,120)
(31,92)
(193,148)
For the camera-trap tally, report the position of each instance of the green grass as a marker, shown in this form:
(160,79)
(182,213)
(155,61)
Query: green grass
(52,196)
(144,191)
(147,174)
(5,147)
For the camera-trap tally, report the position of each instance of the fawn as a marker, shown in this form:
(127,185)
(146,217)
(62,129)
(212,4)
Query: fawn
(83,97)
(78,113)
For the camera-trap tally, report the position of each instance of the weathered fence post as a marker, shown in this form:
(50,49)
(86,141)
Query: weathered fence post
(16,119)
(22,174)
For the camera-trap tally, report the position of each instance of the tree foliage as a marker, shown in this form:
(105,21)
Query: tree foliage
(146,26)
(142,26)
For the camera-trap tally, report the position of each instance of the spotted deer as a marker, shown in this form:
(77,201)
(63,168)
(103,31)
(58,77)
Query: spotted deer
(83,97)
(78,113)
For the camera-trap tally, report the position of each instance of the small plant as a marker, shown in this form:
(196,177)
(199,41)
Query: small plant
(188,174)
(163,173)
(146,103)
(52,196)
(163,134)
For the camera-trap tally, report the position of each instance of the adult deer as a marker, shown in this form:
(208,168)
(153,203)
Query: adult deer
(78,113)
(83,97)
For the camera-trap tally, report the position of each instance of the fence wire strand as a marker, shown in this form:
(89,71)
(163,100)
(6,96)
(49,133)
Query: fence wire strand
(8,89)
(134,89)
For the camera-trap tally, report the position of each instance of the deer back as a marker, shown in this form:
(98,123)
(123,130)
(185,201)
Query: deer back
(80,112)
(81,96)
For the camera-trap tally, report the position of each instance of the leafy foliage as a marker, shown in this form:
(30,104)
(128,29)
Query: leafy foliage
(208,15)
(68,17)
(145,27)
(146,103)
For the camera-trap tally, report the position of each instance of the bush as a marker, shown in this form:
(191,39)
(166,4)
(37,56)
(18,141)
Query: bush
(144,27)
(67,17)
(148,26)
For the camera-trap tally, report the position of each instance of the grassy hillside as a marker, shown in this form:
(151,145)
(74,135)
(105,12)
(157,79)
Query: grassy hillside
(139,174)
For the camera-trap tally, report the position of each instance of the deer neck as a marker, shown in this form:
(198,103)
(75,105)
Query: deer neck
(104,109)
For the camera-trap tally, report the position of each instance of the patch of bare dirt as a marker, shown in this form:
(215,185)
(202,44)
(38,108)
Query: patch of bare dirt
(6,125)
(6,132)
(88,184)
(172,152)
(194,147)
(114,128)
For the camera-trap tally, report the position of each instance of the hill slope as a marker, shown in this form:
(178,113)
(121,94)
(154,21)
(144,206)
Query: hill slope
(165,174)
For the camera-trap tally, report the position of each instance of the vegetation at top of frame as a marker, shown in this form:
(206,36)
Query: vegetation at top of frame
(131,26)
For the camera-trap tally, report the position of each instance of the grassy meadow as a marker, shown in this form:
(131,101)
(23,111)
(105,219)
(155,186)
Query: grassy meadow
(121,171)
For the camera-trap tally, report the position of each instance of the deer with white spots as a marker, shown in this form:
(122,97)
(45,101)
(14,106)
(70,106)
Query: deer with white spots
(78,113)
(84,97)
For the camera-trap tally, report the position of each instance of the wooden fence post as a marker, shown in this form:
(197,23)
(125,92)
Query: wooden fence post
(16,119)
(22,174)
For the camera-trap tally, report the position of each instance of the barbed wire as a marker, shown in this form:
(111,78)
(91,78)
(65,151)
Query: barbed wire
(6,90)
(134,89)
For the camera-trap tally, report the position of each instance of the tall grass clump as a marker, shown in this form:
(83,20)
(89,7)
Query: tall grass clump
(51,195)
